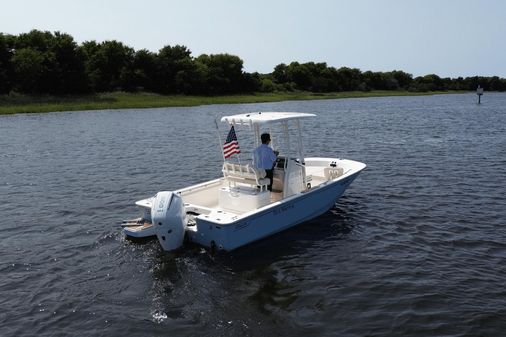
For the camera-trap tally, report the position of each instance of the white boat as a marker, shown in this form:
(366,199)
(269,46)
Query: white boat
(236,209)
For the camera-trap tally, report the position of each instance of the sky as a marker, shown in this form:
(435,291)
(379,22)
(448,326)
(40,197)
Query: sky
(449,38)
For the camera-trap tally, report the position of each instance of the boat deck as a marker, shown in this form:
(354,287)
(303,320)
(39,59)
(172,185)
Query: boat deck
(276,196)
(218,215)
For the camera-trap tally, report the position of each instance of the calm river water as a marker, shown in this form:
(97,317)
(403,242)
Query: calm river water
(415,247)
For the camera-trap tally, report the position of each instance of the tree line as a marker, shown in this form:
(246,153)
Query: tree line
(41,62)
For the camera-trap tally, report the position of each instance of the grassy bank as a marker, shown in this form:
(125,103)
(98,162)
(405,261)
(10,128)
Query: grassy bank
(13,104)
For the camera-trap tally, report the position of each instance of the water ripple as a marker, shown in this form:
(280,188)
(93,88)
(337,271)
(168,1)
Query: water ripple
(415,247)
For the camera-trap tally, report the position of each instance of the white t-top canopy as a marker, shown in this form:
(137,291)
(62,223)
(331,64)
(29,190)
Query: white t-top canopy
(264,117)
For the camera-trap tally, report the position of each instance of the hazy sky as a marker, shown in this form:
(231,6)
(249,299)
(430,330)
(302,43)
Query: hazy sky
(447,37)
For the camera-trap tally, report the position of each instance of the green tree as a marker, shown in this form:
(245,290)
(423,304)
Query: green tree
(173,62)
(403,79)
(320,76)
(35,39)
(224,73)
(431,82)
(190,77)
(252,82)
(279,74)
(70,76)
(301,75)
(28,65)
(496,84)
(145,69)
(58,66)
(41,76)
(349,78)
(6,71)
(380,80)
(108,65)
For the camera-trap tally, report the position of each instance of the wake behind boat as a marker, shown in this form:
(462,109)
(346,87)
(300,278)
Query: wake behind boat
(237,208)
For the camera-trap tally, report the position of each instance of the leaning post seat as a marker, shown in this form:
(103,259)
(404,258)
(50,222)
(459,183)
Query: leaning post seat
(245,174)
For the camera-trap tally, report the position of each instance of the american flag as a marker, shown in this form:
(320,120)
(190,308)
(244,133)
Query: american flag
(231,145)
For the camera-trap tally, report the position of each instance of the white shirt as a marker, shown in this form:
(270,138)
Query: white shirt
(264,157)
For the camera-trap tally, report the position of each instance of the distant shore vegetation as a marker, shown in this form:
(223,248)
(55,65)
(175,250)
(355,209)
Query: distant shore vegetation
(18,103)
(46,63)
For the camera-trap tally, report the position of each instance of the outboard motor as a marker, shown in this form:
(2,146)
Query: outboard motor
(169,218)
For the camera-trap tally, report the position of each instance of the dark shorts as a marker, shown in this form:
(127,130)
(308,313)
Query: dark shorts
(269,174)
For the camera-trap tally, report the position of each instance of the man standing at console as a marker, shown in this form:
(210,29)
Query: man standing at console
(264,158)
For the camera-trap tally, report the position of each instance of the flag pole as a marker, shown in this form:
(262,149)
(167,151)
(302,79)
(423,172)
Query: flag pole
(219,139)
(239,154)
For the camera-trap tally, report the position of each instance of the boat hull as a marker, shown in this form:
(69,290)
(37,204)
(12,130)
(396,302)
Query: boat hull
(270,219)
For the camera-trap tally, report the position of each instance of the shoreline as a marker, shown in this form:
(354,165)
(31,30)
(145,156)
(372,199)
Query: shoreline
(16,104)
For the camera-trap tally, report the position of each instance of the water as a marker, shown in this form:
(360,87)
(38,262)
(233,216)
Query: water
(415,247)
